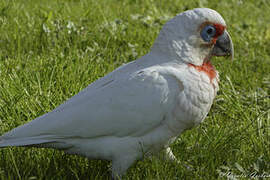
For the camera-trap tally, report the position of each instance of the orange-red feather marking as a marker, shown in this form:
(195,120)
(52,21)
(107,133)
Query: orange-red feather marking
(219,31)
(207,68)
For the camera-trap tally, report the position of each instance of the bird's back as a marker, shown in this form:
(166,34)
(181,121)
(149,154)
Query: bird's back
(127,102)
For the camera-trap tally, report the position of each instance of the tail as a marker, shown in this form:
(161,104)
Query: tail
(25,141)
(44,141)
(28,134)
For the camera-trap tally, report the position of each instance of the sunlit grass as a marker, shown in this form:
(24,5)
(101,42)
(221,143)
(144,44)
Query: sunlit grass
(50,50)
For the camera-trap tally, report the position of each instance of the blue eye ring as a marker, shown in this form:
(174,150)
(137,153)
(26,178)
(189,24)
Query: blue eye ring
(208,32)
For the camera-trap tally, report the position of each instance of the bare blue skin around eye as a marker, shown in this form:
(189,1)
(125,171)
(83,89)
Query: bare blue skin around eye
(208,32)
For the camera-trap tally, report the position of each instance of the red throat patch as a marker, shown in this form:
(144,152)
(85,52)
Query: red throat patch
(207,68)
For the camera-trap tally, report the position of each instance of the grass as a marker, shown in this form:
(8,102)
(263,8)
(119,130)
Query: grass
(50,50)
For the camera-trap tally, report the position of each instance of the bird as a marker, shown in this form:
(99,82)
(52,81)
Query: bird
(140,108)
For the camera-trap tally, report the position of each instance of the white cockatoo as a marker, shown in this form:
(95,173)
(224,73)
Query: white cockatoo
(141,107)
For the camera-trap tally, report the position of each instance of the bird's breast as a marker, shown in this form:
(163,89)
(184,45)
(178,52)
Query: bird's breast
(206,68)
(195,100)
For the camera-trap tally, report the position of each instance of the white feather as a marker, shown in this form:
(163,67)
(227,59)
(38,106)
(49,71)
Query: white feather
(139,108)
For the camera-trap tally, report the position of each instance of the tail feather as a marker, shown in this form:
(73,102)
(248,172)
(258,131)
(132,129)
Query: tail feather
(38,141)
(24,141)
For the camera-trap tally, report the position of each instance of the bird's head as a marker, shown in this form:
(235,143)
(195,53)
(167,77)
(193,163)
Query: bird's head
(194,36)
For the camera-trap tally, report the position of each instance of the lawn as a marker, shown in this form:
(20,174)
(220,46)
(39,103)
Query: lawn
(50,50)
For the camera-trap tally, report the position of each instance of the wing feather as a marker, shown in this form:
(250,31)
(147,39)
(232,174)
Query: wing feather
(117,105)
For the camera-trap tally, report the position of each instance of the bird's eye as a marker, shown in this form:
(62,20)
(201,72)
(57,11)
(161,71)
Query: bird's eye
(208,32)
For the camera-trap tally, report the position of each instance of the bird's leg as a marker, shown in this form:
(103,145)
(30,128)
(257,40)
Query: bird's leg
(169,156)
(120,166)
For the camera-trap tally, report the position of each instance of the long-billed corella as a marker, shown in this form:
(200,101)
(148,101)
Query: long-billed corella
(141,107)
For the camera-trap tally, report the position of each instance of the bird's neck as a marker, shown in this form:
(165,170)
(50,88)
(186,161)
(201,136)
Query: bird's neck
(207,68)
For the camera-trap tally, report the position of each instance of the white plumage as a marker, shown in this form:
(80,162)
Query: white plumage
(141,107)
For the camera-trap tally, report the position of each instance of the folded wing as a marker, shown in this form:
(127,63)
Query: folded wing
(116,105)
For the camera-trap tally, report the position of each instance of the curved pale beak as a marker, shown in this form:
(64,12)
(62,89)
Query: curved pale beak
(223,46)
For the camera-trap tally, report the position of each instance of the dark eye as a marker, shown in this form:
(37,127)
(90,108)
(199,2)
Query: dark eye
(208,32)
